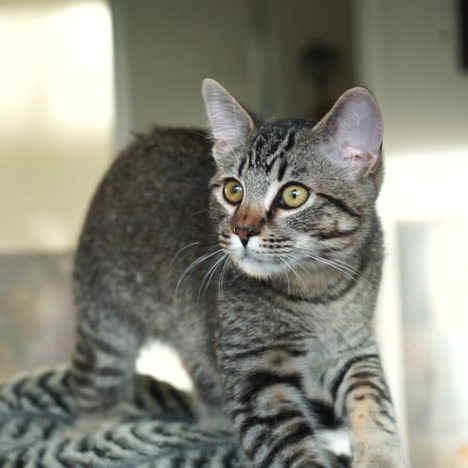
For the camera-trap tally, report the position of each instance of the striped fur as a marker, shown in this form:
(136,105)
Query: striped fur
(276,330)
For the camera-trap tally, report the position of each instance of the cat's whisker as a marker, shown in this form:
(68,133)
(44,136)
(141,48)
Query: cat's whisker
(296,262)
(179,252)
(337,264)
(209,275)
(348,272)
(192,266)
(196,213)
(284,266)
(186,253)
(345,265)
(291,262)
(350,268)
(227,264)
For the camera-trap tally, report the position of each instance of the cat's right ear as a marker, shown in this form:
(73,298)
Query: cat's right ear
(230,123)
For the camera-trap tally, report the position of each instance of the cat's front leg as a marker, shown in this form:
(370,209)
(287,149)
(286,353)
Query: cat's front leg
(265,398)
(362,397)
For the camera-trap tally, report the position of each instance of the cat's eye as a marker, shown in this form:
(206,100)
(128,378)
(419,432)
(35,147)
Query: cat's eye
(293,196)
(233,192)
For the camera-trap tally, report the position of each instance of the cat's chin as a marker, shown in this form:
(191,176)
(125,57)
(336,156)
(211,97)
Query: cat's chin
(258,269)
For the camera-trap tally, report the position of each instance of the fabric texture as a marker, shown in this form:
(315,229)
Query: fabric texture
(158,429)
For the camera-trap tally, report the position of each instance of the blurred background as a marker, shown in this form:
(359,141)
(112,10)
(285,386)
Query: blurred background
(79,76)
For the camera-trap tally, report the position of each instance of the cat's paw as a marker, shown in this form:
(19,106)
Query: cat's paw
(379,459)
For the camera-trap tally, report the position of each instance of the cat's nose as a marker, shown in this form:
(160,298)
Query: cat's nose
(245,233)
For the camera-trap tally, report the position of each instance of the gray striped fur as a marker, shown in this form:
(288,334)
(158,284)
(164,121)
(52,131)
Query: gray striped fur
(276,332)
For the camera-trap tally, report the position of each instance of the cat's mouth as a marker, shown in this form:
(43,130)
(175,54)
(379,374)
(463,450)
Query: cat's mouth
(250,257)
(255,264)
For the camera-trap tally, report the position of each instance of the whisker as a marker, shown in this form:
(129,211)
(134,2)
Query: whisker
(227,264)
(209,276)
(296,262)
(338,265)
(341,263)
(192,266)
(347,272)
(291,267)
(285,269)
(180,251)
(347,266)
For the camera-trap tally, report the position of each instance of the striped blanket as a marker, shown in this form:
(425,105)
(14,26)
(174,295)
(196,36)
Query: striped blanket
(158,429)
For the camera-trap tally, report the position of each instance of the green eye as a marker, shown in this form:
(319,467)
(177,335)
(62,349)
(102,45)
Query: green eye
(294,196)
(233,192)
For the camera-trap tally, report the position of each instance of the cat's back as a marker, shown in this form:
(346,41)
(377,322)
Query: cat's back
(163,158)
(152,202)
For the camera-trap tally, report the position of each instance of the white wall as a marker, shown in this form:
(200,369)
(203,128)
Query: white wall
(56,108)
(407,53)
(296,25)
(165,48)
(169,47)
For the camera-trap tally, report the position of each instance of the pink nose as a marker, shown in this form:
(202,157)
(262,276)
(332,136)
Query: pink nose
(244,233)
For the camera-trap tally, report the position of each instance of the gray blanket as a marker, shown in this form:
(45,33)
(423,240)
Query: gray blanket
(158,429)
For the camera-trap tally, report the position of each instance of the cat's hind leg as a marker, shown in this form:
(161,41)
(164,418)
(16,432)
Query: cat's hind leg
(103,366)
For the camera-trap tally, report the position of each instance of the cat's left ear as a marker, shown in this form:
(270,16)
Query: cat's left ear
(353,132)
(230,123)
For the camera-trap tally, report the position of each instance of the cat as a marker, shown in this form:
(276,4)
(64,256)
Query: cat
(259,263)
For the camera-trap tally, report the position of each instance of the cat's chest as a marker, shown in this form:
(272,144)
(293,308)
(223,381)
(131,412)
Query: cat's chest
(313,366)
(320,354)
(323,322)
(316,358)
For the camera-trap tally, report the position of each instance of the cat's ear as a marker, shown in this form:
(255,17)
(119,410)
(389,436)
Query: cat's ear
(230,123)
(353,132)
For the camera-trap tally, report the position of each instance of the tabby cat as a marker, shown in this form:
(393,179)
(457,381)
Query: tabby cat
(260,265)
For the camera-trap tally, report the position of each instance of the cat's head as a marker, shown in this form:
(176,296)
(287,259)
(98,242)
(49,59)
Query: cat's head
(290,194)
